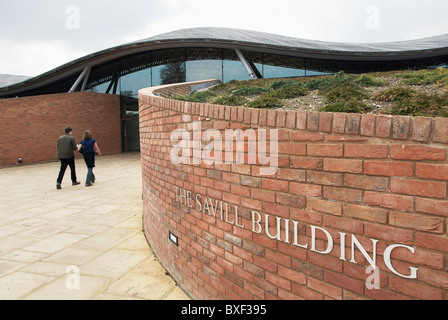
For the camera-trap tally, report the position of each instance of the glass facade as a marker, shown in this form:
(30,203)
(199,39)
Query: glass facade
(128,75)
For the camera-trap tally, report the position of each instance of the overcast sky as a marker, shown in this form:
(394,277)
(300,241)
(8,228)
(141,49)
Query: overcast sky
(39,35)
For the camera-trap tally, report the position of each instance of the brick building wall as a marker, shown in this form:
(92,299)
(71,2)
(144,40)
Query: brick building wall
(352,190)
(31,126)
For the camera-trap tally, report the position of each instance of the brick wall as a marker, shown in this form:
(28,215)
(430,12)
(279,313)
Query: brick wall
(31,126)
(351,190)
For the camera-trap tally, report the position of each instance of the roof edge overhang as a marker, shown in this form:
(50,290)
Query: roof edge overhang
(244,40)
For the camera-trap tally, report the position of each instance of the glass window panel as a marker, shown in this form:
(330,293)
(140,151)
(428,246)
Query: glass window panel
(312,73)
(102,88)
(204,70)
(156,80)
(129,106)
(234,70)
(281,72)
(169,73)
(132,83)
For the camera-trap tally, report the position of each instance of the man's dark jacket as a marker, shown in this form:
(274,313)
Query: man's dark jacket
(66,147)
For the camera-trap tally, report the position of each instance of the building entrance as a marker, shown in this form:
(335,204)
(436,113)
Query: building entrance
(130,134)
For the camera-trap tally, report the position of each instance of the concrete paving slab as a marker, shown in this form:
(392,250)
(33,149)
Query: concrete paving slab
(77,243)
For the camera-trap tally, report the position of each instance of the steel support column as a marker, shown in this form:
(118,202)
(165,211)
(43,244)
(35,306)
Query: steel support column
(246,64)
(83,76)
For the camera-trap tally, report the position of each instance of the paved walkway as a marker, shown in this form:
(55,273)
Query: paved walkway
(77,243)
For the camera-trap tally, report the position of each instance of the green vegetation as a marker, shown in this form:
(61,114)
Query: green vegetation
(422,105)
(345,92)
(231,100)
(395,94)
(350,106)
(266,103)
(289,92)
(426,77)
(414,93)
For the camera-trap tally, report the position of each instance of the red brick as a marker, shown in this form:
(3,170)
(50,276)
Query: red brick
(291,174)
(345,224)
(326,121)
(231,177)
(401,127)
(306,293)
(325,150)
(368,125)
(432,206)
(292,148)
(263,117)
(430,241)
(422,129)
(383,126)
(276,185)
(276,209)
(313,121)
(324,178)
(419,188)
(388,233)
(255,116)
(278,281)
(416,222)
(291,120)
(294,276)
(307,163)
(432,171)
(251,203)
(440,130)
(343,194)
(325,288)
(306,189)
(389,168)
(353,123)
(438,279)
(301,120)
(267,196)
(365,213)
(340,280)
(343,165)
(339,122)
(417,152)
(290,200)
(331,207)
(272,118)
(413,289)
(366,151)
(306,136)
(366,182)
(390,201)
(306,216)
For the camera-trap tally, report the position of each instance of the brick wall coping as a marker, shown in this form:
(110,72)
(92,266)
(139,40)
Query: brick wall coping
(416,129)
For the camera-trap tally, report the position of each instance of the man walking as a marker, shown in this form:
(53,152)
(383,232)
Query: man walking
(66,148)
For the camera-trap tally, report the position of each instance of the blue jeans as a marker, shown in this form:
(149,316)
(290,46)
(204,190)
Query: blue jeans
(90,176)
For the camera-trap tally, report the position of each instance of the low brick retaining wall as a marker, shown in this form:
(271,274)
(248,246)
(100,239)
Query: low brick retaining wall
(30,126)
(357,208)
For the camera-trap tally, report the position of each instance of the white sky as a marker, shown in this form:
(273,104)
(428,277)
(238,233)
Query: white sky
(39,35)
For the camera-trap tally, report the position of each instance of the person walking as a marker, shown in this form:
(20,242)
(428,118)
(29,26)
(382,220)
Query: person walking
(65,153)
(90,149)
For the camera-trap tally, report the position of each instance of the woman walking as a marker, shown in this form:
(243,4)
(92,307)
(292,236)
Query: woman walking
(89,148)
